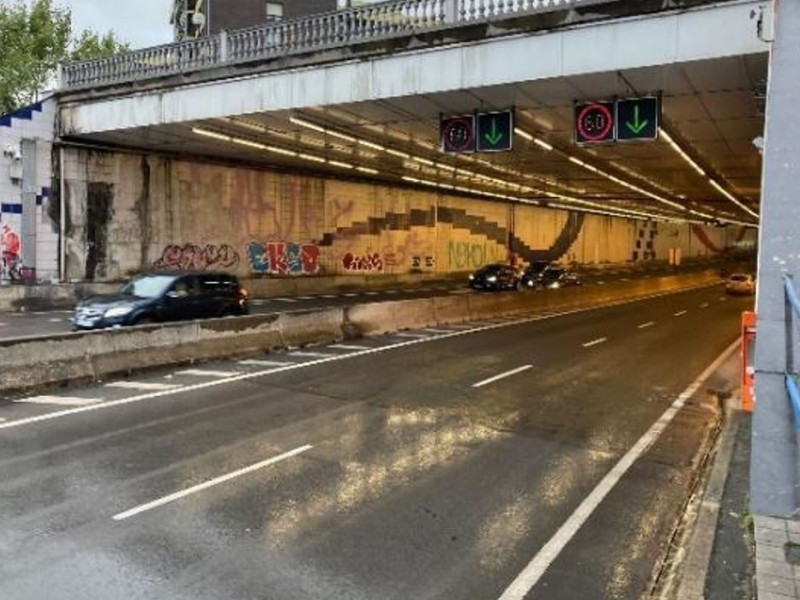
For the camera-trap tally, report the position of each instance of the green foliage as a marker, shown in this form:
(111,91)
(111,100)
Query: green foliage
(33,41)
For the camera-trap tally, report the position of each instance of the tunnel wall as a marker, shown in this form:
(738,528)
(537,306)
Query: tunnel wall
(129,213)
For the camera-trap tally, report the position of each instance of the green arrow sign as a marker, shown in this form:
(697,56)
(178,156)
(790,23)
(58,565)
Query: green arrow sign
(495,131)
(494,136)
(637,125)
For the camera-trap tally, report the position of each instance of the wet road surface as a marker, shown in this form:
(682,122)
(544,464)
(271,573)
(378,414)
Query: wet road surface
(430,464)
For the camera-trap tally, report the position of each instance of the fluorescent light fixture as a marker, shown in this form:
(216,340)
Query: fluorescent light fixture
(681,151)
(211,134)
(276,150)
(372,145)
(523,134)
(541,143)
(398,153)
(343,165)
(367,170)
(311,157)
(244,142)
(732,198)
(307,124)
(342,136)
(423,161)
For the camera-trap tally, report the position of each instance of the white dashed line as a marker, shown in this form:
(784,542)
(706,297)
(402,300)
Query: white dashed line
(305,297)
(681,313)
(263,363)
(55,320)
(372,293)
(140,385)
(59,400)
(204,373)
(595,342)
(310,354)
(646,325)
(625,279)
(502,376)
(391,292)
(329,296)
(290,300)
(601,283)
(351,295)
(535,569)
(403,334)
(210,483)
(704,305)
(347,347)
(432,330)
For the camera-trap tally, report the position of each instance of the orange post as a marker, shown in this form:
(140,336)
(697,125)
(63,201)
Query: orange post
(747,355)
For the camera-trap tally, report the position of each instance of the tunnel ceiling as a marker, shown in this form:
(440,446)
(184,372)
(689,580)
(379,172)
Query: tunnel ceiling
(712,111)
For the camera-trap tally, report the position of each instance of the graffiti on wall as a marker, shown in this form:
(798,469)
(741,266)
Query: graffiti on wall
(10,253)
(191,257)
(464,255)
(420,263)
(283,258)
(367,262)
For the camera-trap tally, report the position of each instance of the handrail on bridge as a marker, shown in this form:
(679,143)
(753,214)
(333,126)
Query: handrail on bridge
(374,22)
(792,310)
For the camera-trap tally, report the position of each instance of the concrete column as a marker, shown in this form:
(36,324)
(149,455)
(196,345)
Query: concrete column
(774,468)
(29,188)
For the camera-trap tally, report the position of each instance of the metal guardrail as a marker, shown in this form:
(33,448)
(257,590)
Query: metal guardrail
(324,31)
(792,313)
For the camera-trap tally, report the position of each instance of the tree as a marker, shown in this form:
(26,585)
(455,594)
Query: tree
(33,41)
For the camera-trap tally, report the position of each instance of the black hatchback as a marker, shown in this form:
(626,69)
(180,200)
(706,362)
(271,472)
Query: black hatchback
(159,297)
(494,277)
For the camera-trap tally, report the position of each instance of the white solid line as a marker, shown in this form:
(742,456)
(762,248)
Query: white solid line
(333,358)
(140,385)
(646,325)
(210,483)
(59,400)
(502,376)
(434,330)
(2,420)
(404,334)
(264,363)
(595,342)
(531,574)
(204,373)
(310,354)
(284,300)
(681,313)
(348,347)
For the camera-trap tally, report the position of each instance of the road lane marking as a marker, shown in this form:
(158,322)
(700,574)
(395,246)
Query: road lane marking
(646,325)
(205,373)
(2,420)
(263,363)
(284,300)
(625,279)
(371,293)
(55,320)
(59,400)
(475,328)
(3,324)
(310,354)
(329,296)
(723,299)
(391,292)
(704,305)
(208,484)
(351,295)
(533,572)
(601,283)
(680,313)
(595,342)
(305,297)
(434,330)
(348,347)
(140,385)
(502,376)
(405,334)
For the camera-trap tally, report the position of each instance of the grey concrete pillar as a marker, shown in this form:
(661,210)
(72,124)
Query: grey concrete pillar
(29,191)
(774,468)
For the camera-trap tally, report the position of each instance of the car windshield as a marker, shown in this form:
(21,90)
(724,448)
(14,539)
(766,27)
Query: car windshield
(147,286)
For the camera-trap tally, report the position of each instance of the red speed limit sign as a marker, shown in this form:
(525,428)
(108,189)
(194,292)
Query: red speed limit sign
(594,122)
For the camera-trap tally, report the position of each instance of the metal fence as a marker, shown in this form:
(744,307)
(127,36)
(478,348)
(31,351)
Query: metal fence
(342,28)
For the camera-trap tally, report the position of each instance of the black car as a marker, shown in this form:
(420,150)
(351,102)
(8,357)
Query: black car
(494,277)
(530,275)
(557,277)
(159,297)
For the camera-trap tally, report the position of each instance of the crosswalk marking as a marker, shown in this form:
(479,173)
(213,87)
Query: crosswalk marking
(204,373)
(59,400)
(264,363)
(348,347)
(141,385)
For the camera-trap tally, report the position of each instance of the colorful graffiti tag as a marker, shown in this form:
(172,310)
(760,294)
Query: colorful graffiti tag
(191,257)
(283,258)
(367,262)
(10,253)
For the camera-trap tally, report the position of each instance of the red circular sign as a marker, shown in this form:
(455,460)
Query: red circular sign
(458,134)
(594,122)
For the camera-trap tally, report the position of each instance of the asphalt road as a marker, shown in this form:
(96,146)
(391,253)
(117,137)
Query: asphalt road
(24,324)
(431,464)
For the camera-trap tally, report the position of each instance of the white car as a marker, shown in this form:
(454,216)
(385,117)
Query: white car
(740,283)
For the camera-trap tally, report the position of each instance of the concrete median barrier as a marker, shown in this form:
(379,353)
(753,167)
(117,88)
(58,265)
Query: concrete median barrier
(35,362)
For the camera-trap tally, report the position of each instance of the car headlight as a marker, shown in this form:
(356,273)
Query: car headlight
(471,277)
(491,279)
(118,311)
(555,285)
(530,283)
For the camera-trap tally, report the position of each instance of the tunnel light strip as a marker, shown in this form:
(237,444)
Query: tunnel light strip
(700,171)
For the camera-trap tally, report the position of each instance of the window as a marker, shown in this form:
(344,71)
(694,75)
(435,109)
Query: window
(274,11)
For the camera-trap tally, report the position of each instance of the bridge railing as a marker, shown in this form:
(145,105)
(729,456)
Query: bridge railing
(373,22)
